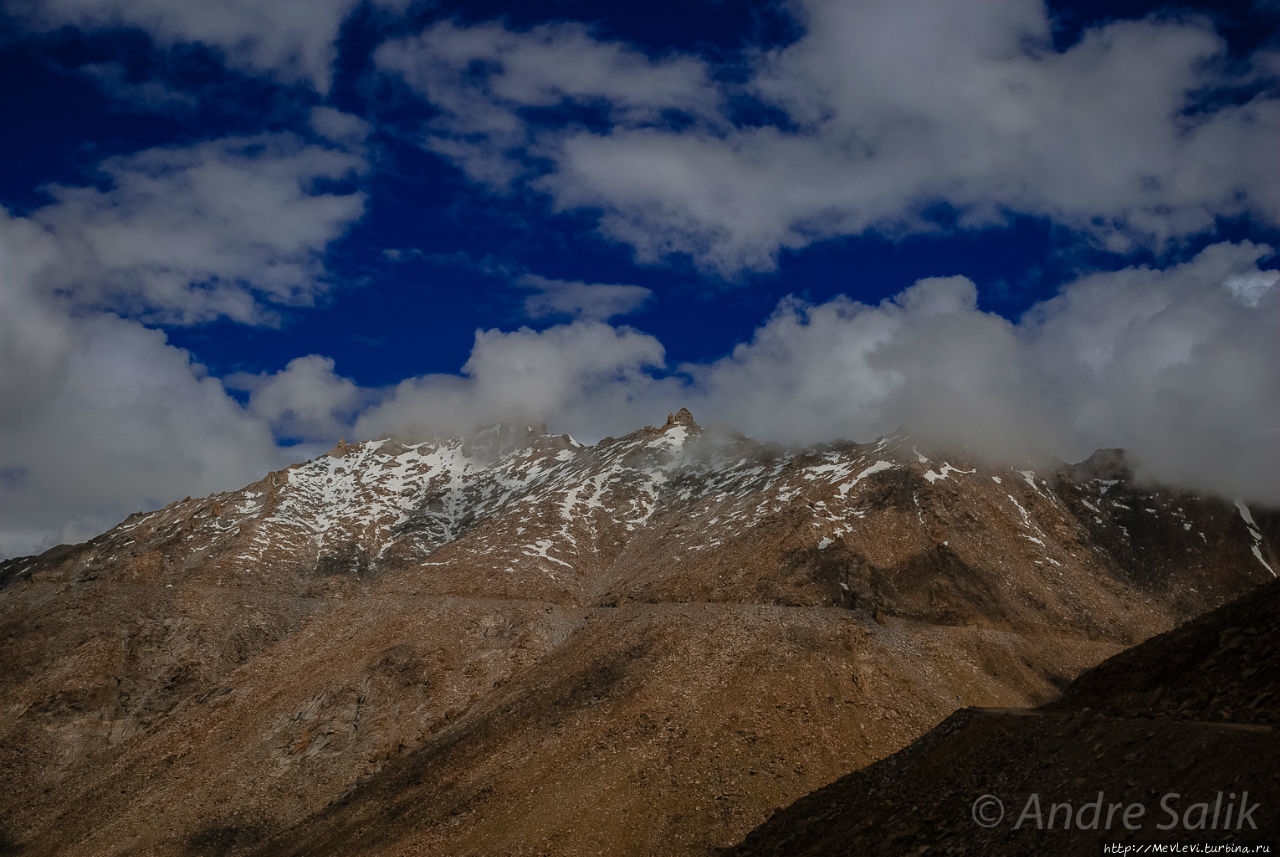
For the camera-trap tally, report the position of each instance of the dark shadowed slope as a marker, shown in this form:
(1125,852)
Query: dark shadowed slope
(1190,712)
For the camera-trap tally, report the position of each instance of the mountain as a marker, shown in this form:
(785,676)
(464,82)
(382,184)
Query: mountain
(515,643)
(1185,720)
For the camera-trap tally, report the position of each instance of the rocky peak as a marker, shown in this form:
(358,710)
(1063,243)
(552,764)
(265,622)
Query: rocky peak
(681,417)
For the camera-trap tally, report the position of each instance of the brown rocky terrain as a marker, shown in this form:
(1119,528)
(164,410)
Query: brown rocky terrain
(1190,713)
(518,644)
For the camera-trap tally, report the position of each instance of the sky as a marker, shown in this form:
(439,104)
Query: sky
(232,233)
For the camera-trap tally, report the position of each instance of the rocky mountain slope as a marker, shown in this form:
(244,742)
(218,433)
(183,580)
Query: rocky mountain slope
(1168,725)
(519,644)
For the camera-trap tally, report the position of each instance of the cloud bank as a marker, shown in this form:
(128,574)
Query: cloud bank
(1180,366)
(101,416)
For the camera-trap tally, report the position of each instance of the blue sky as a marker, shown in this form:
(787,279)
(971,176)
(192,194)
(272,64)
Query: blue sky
(233,233)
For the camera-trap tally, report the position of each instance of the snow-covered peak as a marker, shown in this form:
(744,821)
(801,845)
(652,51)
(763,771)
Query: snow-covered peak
(522,508)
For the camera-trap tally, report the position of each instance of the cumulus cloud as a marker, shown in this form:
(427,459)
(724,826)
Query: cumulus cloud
(344,129)
(129,423)
(576,299)
(891,109)
(927,358)
(486,80)
(291,39)
(305,401)
(224,228)
(101,416)
(1177,365)
(1171,364)
(582,376)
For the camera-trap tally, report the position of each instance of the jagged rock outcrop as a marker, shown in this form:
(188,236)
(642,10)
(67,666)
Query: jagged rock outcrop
(526,644)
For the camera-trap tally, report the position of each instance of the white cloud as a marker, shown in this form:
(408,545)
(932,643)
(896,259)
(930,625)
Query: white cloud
(344,129)
(1251,286)
(223,228)
(574,298)
(35,338)
(892,107)
(483,77)
(101,416)
(580,376)
(1174,365)
(291,39)
(927,359)
(1171,364)
(306,400)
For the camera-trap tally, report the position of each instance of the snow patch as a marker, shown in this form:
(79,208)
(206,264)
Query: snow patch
(1254,533)
(873,469)
(946,469)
